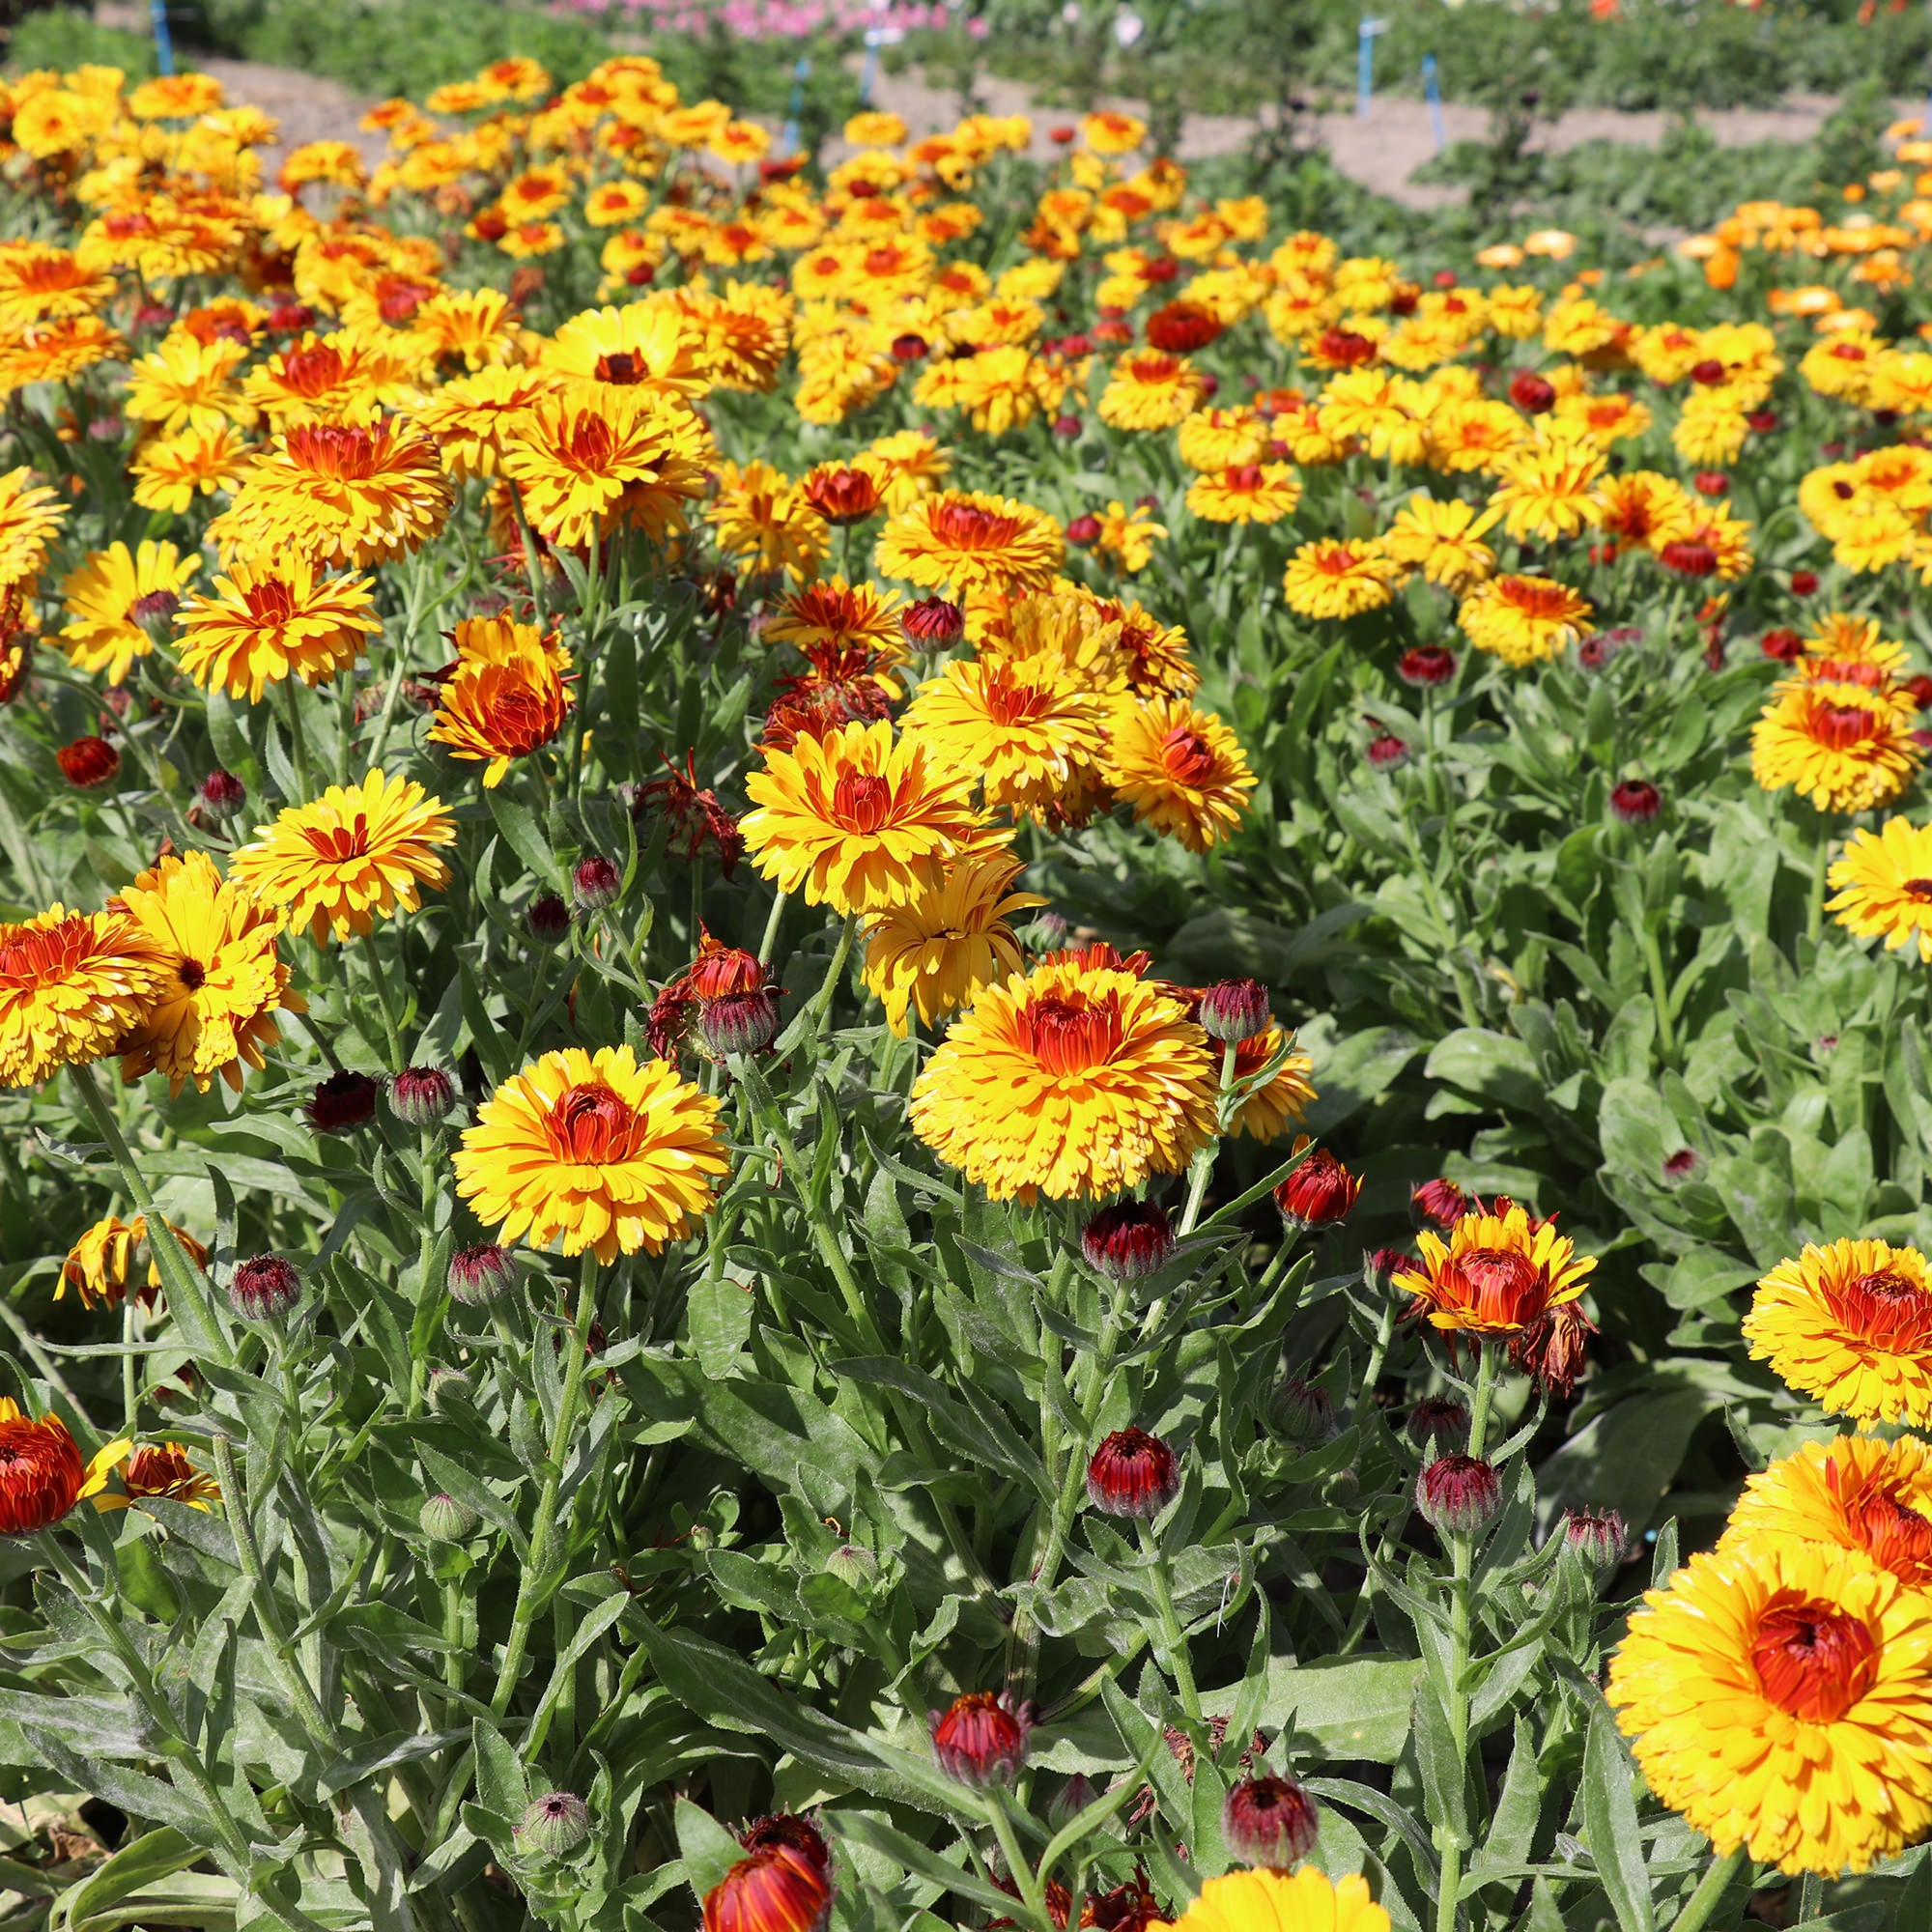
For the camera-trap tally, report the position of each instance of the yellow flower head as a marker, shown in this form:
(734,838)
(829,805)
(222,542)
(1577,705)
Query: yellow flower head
(1282,1101)
(1272,1901)
(102,1265)
(1856,1493)
(761,518)
(857,820)
(970,541)
(1779,1695)
(222,981)
(1523,619)
(72,985)
(30,513)
(357,853)
(1839,744)
(1851,1326)
(1077,1081)
(117,599)
(1339,577)
(1549,487)
(1027,728)
(584,455)
(1443,538)
(1181,768)
(1247,493)
(593,1151)
(1498,1274)
(266,621)
(1149,390)
(935,954)
(1885,886)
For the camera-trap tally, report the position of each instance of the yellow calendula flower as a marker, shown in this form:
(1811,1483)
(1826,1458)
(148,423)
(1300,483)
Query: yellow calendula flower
(1883,883)
(1076,1081)
(355,854)
(1339,577)
(1779,1695)
(30,513)
(1274,1901)
(1849,1325)
(1181,768)
(72,985)
(116,601)
(1837,744)
(505,697)
(582,455)
(1497,1275)
(1282,1099)
(1548,488)
(171,471)
(592,1151)
(933,956)
(267,620)
(1856,1493)
(1149,390)
(163,1471)
(186,383)
(1523,619)
(1247,493)
(858,819)
(102,1266)
(762,521)
(1127,536)
(1442,539)
(970,541)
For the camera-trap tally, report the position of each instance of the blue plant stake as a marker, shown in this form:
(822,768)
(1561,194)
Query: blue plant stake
(1365,64)
(869,78)
(164,47)
(1432,93)
(800,74)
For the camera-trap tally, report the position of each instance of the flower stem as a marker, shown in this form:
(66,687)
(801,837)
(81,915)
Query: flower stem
(1702,1902)
(771,938)
(1204,1161)
(385,1004)
(1821,845)
(297,745)
(531,1588)
(1173,1639)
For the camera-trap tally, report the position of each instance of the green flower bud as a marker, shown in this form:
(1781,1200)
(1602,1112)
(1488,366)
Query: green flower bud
(444,1519)
(556,1823)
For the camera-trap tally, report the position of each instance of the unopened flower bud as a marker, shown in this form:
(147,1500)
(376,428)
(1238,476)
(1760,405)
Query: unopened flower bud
(444,1519)
(1067,426)
(1069,1801)
(1318,1193)
(1269,1822)
(450,1390)
(1636,802)
(1302,1411)
(596,882)
(548,918)
(479,1275)
(1386,752)
(932,624)
(1597,1537)
(981,1738)
(222,795)
(342,1104)
(739,1022)
(854,1566)
(1127,1241)
(1425,666)
(1441,1417)
(1457,1494)
(1437,1204)
(556,1823)
(88,762)
(263,1289)
(1531,393)
(1132,1474)
(1047,932)
(1381,1266)
(780,1887)
(419,1097)
(1233,1010)
(1083,530)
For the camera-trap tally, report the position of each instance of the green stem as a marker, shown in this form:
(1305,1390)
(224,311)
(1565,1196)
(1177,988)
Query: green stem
(531,1588)
(1810,1898)
(297,745)
(385,1004)
(771,938)
(531,561)
(1204,1161)
(1821,845)
(1702,1902)
(1173,1639)
(1660,994)
(1447,936)
(131,1382)
(187,1291)
(1021,1872)
(1486,1388)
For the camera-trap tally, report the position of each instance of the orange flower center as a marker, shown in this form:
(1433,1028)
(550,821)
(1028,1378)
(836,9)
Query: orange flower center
(154,1471)
(46,955)
(1896,1535)
(589,444)
(1835,671)
(1814,1662)
(591,1125)
(1501,1286)
(337,449)
(884,261)
(1883,1310)
(40,1476)
(270,602)
(862,802)
(967,527)
(1072,1035)
(339,843)
(1188,757)
(1839,727)
(312,371)
(1548,602)
(1010,703)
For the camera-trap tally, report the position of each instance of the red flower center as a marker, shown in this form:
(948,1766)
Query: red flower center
(270,602)
(1897,1537)
(339,450)
(862,802)
(1814,1662)
(192,975)
(1538,599)
(1839,727)
(312,371)
(1188,757)
(1501,1286)
(591,1125)
(1918,889)
(1884,1311)
(46,955)
(621,369)
(1071,1034)
(967,527)
(589,444)
(339,842)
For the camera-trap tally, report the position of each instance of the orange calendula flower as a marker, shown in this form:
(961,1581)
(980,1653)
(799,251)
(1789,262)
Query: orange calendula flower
(1281,1101)
(1181,768)
(163,1472)
(505,695)
(1497,1274)
(222,981)
(857,820)
(1247,493)
(835,616)
(1076,1081)
(269,620)
(102,1265)
(1837,744)
(592,1151)
(970,541)
(1855,1492)
(357,853)
(1523,619)
(72,985)
(1339,577)
(41,1476)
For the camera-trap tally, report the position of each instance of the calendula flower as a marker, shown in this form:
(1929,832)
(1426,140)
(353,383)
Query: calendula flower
(171,471)
(1149,390)
(1523,619)
(221,984)
(1548,488)
(762,521)
(102,1265)
(1855,1492)
(1247,493)
(471,417)
(338,494)
(114,599)
(30,513)
(583,455)
(1836,743)
(41,1476)
(645,346)
(966,540)
(592,1151)
(505,695)
(1850,1325)
(1339,577)
(1027,728)
(357,853)
(934,953)
(835,616)
(1779,1695)
(857,820)
(267,620)
(1282,1099)
(72,985)
(42,282)
(1181,768)
(165,1471)
(1128,535)
(1442,539)
(186,383)
(1497,1275)
(1885,886)
(1076,1081)
(1276,1901)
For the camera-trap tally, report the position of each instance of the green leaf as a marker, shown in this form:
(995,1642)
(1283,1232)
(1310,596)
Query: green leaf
(1611,1827)
(1445,1775)
(863,1828)
(525,837)
(1494,1066)
(708,1850)
(502,1785)
(155,1855)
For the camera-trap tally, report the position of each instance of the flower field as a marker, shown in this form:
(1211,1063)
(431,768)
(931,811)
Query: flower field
(956,1042)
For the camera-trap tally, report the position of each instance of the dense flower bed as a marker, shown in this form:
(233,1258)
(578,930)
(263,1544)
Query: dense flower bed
(972,1030)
